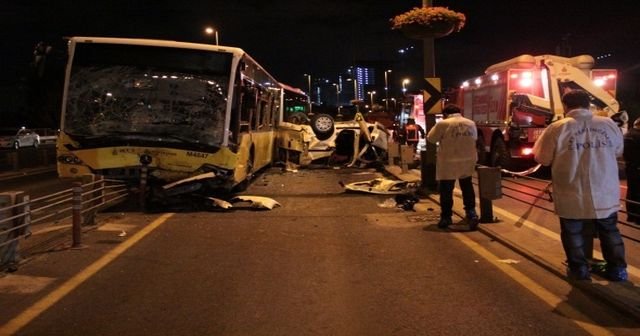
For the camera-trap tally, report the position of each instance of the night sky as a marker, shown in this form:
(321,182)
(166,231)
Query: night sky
(323,37)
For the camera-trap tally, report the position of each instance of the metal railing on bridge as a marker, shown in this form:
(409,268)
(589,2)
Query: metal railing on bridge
(70,209)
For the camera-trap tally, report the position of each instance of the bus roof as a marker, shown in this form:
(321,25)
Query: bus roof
(159,43)
(237,52)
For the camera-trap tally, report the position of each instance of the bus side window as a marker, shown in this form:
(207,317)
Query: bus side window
(248,108)
(264,111)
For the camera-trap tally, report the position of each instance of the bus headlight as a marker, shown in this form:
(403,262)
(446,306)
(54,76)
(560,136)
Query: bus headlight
(145,159)
(69,159)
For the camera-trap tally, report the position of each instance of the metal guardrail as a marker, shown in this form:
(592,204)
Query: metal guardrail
(11,160)
(78,204)
(539,195)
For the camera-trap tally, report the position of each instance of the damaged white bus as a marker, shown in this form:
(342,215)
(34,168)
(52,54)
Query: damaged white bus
(191,117)
(178,109)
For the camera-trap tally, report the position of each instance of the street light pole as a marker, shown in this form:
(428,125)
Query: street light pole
(355,87)
(386,88)
(211,30)
(371,93)
(337,94)
(309,82)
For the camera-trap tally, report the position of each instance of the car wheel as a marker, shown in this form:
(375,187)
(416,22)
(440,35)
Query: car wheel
(323,126)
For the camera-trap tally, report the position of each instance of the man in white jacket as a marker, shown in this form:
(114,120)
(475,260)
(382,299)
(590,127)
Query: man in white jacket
(456,160)
(581,150)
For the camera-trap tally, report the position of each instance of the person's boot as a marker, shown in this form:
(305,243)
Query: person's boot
(472,219)
(444,222)
(580,274)
(616,274)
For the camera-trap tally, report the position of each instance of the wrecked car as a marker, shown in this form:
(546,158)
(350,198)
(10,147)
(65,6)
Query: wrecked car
(305,140)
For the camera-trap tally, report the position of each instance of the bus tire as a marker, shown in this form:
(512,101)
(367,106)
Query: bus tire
(500,156)
(323,126)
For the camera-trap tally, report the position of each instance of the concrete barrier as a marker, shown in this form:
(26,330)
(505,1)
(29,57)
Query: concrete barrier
(27,158)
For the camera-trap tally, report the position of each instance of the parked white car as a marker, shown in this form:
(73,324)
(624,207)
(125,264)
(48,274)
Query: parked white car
(24,137)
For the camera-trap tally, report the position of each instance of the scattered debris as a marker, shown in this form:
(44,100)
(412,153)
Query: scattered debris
(509,261)
(257,201)
(382,186)
(388,203)
(406,201)
(220,203)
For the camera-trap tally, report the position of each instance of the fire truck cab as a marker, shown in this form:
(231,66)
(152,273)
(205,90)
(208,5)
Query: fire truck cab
(515,100)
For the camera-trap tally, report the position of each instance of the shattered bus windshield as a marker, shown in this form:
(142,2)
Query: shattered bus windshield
(128,90)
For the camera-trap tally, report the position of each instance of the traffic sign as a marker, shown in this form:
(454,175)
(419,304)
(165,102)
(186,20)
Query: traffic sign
(432,96)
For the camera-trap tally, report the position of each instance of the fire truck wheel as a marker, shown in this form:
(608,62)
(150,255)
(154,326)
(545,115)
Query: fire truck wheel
(500,156)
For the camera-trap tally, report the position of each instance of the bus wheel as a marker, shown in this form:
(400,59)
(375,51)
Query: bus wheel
(500,156)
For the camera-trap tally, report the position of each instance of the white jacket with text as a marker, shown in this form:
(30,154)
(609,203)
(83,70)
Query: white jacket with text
(457,155)
(581,150)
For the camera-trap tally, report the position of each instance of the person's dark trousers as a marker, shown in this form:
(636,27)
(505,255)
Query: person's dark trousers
(633,193)
(571,234)
(446,196)
(611,242)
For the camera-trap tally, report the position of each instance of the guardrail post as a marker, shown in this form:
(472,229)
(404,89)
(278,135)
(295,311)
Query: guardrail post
(43,156)
(90,216)
(76,212)
(13,158)
(490,188)
(406,155)
(8,251)
(143,187)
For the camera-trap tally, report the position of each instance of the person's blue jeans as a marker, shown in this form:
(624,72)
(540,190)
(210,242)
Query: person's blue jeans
(611,244)
(446,196)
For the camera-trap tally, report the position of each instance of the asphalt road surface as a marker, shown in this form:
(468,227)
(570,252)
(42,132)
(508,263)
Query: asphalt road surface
(323,263)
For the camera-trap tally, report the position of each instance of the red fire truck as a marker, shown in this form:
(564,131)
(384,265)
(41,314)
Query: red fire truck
(516,99)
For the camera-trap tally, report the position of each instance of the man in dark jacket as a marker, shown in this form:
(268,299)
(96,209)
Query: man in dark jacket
(413,133)
(632,169)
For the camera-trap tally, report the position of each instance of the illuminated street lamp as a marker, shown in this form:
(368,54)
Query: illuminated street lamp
(404,85)
(210,31)
(371,93)
(386,88)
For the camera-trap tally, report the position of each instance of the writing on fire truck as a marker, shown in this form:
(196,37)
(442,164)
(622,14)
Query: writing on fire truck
(515,100)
